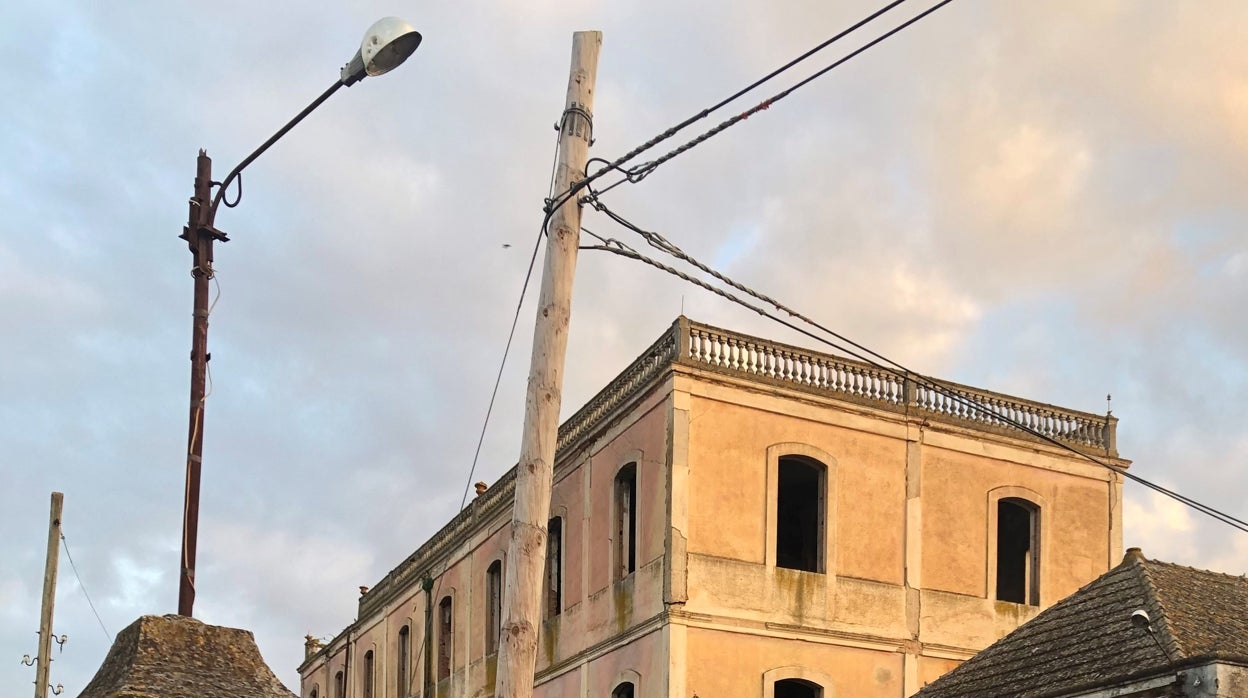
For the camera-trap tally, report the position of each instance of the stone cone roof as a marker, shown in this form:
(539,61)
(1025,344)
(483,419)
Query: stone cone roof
(178,657)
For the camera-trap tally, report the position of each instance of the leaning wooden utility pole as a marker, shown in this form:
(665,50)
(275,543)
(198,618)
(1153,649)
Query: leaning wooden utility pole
(44,660)
(526,553)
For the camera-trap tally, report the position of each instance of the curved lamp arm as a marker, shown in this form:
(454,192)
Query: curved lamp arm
(386,44)
(229,179)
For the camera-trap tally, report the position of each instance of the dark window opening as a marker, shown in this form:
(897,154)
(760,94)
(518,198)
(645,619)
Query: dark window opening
(314,693)
(554,567)
(493,605)
(404,660)
(1018,559)
(368,674)
(797,688)
(444,638)
(799,514)
(626,521)
(340,685)
(624,690)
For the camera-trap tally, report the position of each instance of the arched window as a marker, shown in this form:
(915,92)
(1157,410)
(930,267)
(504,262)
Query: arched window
(800,504)
(1018,551)
(554,567)
(340,685)
(624,690)
(798,688)
(368,674)
(315,693)
(403,663)
(493,605)
(626,521)
(445,618)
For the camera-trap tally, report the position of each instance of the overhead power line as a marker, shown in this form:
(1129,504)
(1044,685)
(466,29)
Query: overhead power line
(617,165)
(82,586)
(863,353)
(640,172)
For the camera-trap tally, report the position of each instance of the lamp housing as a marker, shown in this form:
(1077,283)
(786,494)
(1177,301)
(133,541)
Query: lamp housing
(385,46)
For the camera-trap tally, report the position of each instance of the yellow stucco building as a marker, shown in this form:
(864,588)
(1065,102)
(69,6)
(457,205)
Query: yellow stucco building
(734,517)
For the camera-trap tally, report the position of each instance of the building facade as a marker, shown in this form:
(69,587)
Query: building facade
(732,516)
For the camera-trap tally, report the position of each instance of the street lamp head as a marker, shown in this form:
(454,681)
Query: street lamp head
(386,44)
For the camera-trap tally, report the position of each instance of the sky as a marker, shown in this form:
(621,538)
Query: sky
(1041,198)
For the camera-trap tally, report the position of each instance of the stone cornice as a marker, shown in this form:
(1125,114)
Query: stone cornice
(762,361)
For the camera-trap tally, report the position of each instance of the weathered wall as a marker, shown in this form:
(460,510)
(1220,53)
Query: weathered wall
(597,610)
(908,514)
(725,663)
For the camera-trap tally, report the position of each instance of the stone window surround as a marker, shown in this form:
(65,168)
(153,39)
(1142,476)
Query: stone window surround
(771,676)
(627,676)
(774,453)
(634,459)
(398,647)
(1042,511)
(557,512)
(447,593)
(368,675)
(497,558)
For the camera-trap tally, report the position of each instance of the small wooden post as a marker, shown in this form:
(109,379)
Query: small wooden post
(43,669)
(526,553)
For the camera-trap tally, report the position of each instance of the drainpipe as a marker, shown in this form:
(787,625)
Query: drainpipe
(346,664)
(427,585)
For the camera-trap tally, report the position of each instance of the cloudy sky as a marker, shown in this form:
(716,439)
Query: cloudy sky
(1042,198)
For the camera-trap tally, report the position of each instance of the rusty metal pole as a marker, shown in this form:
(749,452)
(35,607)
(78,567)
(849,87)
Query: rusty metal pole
(199,236)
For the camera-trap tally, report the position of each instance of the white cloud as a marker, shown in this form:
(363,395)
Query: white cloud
(1045,195)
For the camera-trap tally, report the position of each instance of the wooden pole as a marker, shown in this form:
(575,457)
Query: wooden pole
(526,553)
(198,235)
(44,660)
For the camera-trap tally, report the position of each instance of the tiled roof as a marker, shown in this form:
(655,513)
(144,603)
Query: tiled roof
(1088,639)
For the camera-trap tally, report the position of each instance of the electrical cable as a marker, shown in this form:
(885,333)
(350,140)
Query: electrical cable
(644,170)
(84,587)
(489,410)
(618,163)
(883,363)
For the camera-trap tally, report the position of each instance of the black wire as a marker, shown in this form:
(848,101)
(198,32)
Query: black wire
(617,164)
(642,171)
(888,365)
(489,410)
(238,197)
(629,175)
(84,587)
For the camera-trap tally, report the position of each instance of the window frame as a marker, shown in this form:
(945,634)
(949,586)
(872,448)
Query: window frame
(625,521)
(1039,594)
(552,575)
(403,660)
(369,679)
(445,624)
(493,606)
(828,537)
(815,678)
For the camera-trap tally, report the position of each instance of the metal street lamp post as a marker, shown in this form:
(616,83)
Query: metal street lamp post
(386,44)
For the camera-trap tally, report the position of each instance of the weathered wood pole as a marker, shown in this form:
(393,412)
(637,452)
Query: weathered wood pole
(526,553)
(43,668)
